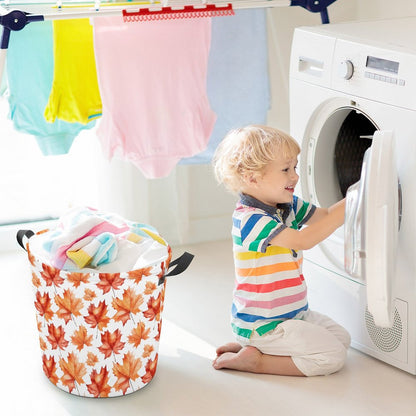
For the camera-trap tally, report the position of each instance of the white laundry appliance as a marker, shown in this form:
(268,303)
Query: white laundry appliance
(353,111)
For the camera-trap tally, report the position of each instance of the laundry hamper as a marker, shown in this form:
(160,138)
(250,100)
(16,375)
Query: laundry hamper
(99,332)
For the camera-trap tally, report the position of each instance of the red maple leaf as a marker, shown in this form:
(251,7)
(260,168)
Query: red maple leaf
(51,275)
(111,343)
(150,370)
(110,280)
(97,316)
(49,368)
(43,305)
(153,308)
(56,337)
(99,383)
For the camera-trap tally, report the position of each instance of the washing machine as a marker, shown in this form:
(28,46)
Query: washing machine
(353,111)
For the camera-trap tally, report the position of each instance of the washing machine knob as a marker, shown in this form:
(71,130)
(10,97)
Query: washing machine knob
(346,69)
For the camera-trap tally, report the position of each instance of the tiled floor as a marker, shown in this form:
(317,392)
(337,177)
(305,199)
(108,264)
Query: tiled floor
(195,321)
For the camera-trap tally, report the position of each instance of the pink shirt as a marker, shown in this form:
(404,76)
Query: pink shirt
(152,79)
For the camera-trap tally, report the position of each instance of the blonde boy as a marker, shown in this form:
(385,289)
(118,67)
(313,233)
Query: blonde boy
(276,332)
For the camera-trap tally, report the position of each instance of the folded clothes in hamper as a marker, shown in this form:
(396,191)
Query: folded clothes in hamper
(99,330)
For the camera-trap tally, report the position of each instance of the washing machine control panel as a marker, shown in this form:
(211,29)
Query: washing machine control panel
(346,69)
(371,71)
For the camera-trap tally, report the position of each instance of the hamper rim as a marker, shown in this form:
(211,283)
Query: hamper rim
(95,272)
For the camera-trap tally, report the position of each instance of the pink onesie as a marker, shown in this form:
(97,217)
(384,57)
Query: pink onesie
(152,79)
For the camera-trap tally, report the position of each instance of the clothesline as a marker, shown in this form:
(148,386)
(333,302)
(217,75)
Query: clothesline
(14,15)
(76,9)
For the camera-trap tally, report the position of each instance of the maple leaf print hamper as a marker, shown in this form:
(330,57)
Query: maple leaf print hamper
(99,330)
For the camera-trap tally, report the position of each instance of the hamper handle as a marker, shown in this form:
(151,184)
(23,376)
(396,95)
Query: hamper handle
(21,234)
(181,264)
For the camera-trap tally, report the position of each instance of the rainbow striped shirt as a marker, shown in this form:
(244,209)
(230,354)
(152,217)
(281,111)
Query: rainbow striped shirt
(269,286)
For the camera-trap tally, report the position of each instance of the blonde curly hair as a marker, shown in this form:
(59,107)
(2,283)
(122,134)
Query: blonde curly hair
(248,150)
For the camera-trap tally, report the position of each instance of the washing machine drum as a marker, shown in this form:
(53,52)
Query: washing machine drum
(334,155)
(353,139)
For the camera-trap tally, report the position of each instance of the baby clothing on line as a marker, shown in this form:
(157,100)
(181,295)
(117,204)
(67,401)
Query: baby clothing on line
(30,73)
(238,78)
(74,96)
(152,79)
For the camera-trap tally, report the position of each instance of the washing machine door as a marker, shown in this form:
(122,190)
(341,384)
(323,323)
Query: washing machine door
(372,224)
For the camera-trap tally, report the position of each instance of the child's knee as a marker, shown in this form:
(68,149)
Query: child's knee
(322,364)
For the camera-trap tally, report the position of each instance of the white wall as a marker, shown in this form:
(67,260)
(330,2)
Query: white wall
(189,206)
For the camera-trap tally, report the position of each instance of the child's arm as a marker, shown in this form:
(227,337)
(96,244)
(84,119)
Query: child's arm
(321,225)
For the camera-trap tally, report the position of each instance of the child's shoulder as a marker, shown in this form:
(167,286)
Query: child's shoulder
(243,212)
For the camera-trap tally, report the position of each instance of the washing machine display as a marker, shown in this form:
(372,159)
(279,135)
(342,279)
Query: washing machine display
(357,135)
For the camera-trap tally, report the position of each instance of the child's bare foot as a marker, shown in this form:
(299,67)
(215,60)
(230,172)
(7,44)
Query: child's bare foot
(238,358)
(230,347)
(250,359)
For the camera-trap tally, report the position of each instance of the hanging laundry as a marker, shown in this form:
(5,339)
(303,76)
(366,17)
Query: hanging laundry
(29,75)
(152,79)
(238,79)
(74,96)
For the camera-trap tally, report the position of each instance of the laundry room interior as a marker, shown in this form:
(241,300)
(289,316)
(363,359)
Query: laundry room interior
(342,89)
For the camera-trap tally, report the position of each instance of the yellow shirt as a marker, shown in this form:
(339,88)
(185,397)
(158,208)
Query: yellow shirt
(75,96)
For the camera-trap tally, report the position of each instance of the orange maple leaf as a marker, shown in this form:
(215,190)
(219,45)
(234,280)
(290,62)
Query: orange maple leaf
(165,264)
(97,316)
(110,280)
(51,275)
(137,275)
(68,304)
(81,338)
(111,343)
(38,323)
(150,370)
(31,257)
(129,304)
(56,337)
(99,383)
(127,371)
(43,344)
(92,359)
(89,295)
(150,288)
(73,370)
(147,350)
(159,327)
(35,280)
(153,308)
(139,333)
(77,278)
(43,305)
(49,368)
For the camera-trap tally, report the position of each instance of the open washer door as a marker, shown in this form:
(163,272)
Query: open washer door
(372,226)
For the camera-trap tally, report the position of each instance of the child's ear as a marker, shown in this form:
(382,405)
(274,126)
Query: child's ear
(251,178)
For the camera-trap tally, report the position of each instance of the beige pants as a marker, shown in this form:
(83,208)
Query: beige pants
(317,344)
